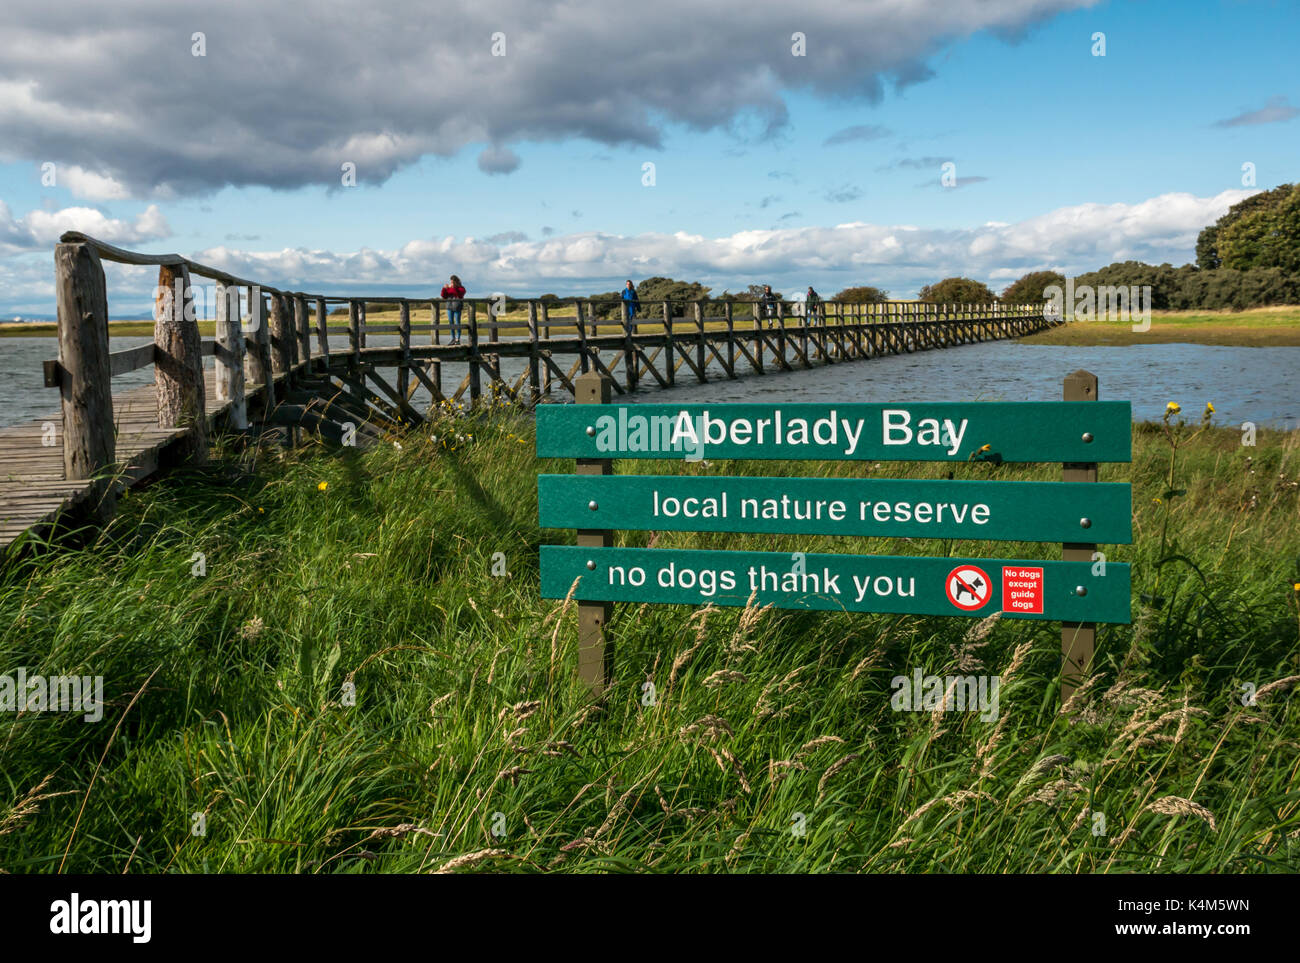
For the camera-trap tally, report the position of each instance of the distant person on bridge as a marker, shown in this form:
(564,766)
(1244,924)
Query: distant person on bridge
(630,299)
(453,293)
(812,304)
(768,300)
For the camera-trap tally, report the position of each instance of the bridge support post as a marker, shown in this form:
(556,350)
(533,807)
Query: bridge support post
(701,360)
(731,340)
(281,335)
(629,348)
(303,324)
(322,334)
(534,364)
(229,359)
(404,336)
(475,374)
(85,383)
(178,362)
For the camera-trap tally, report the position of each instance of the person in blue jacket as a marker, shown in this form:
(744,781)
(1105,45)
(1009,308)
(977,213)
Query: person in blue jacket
(629,296)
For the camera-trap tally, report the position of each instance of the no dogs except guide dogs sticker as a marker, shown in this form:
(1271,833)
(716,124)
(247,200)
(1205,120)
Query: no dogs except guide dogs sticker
(1022,589)
(968,588)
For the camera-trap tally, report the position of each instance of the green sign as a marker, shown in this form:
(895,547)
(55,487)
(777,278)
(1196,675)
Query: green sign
(1058,431)
(1047,590)
(993,510)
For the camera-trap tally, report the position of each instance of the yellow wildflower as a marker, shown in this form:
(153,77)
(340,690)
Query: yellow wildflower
(1173,407)
(322,486)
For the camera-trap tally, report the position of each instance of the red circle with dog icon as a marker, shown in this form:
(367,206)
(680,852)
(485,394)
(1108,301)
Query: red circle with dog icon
(968,588)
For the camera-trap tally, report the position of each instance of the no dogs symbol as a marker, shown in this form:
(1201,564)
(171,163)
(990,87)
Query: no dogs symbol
(968,588)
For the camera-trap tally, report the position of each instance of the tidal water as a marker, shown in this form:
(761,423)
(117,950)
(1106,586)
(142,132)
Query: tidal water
(1260,385)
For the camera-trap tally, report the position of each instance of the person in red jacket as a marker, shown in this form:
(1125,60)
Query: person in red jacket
(453,294)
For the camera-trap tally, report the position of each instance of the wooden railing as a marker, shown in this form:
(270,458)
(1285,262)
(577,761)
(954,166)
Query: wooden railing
(268,347)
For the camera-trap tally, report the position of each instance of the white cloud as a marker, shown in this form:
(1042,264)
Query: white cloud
(41,229)
(91,186)
(899,258)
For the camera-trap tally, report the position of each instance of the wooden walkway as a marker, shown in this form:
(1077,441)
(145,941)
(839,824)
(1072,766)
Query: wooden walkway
(340,393)
(32,487)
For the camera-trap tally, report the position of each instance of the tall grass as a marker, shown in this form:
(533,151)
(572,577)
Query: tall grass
(765,741)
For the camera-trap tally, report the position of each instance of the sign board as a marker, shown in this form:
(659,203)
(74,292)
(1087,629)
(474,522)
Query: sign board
(1082,589)
(1059,431)
(867,507)
(1068,591)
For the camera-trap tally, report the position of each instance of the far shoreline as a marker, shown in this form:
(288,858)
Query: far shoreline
(1269,327)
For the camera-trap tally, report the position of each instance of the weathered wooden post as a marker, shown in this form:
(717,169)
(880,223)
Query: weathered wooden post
(322,334)
(475,387)
(583,359)
(595,652)
(85,381)
(281,335)
(178,362)
(494,359)
(545,321)
(670,368)
(435,367)
(404,337)
(1078,639)
(759,343)
(354,337)
(534,362)
(803,334)
(303,323)
(780,335)
(253,328)
(629,347)
(700,359)
(731,339)
(229,358)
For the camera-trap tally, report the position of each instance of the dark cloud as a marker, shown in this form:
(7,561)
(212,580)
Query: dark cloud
(498,160)
(860,132)
(1275,111)
(287,94)
(768,201)
(507,237)
(547,231)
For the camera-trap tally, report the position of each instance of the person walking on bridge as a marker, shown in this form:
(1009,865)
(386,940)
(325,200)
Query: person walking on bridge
(630,299)
(768,300)
(453,293)
(812,304)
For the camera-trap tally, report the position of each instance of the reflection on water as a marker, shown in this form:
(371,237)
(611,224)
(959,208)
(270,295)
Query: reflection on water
(1245,384)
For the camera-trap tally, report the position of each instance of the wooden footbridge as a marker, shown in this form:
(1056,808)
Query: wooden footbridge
(282,361)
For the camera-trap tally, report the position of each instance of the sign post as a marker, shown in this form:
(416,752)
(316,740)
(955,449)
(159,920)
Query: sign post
(1078,639)
(595,653)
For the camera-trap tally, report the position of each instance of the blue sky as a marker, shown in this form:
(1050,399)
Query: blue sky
(1064,159)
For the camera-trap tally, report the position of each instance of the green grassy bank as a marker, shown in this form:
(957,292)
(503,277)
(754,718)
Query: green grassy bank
(768,743)
(1259,328)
